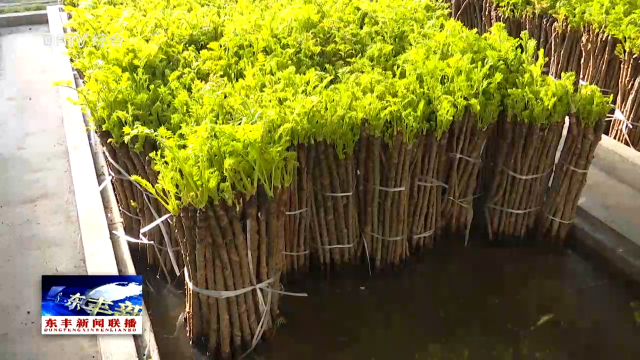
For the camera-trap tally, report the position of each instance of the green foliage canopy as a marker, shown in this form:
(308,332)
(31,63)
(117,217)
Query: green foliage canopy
(227,88)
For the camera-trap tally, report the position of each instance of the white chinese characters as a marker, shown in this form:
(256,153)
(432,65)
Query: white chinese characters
(82,40)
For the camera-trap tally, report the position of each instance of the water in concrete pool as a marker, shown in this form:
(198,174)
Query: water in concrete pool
(480,304)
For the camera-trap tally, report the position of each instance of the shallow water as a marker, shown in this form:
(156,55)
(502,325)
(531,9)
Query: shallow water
(456,304)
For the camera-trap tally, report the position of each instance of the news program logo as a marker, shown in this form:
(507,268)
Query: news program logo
(91,304)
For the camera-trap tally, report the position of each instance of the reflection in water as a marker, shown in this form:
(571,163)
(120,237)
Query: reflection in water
(479,304)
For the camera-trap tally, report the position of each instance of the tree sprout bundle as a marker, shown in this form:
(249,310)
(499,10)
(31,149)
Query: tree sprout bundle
(518,16)
(626,118)
(545,22)
(526,142)
(404,119)
(578,36)
(371,92)
(601,23)
(333,173)
(624,127)
(465,144)
(467,138)
(601,59)
(586,124)
(227,187)
(585,40)
(595,38)
(387,152)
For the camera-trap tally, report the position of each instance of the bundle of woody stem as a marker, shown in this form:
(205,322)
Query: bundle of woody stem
(522,170)
(384,173)
(540,28)
(624,127)
(139,209)
(586,124)
(525,144)
(537,24)
(566,51)
(232,242)
(483,14)
(601,65)
(465,145)
(558,25)
(470,13)
(335,221)
(427,191)
(298,216)
(458,161)
(227,249)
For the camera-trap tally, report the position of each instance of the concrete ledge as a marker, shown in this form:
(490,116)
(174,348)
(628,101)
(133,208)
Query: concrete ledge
(96,241)
(23,18)
(618,161)
(600,243)
(612,202)
(606,227)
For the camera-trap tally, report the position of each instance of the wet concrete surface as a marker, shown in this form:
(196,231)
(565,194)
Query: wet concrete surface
(39,230)
(458,304)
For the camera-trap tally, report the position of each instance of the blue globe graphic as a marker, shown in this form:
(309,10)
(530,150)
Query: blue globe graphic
(116,295)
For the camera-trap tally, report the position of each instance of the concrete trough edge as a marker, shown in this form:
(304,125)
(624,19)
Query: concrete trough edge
(24,18)
(96,240)
(618,161)
(597,241)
